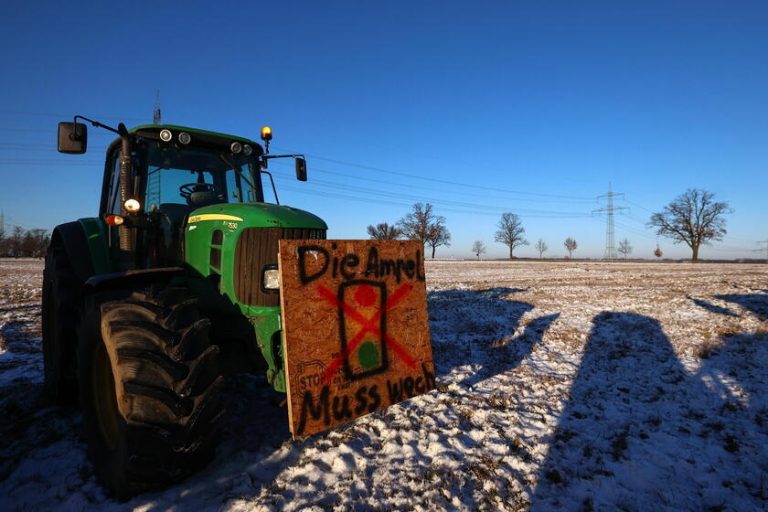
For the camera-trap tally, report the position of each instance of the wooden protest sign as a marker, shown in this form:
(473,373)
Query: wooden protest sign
(355,327)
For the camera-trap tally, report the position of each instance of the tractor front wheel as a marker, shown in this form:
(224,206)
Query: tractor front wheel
(149,387)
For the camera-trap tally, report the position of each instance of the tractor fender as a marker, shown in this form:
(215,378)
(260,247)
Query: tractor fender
(130,278)
(75,242)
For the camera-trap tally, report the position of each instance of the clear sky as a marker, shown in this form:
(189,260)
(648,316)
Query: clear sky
(477,107)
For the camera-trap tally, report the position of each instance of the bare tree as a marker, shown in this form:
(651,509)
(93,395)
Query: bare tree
(423,225)
(478,248)
(438,235)
(34,243)
(694,218)
(384,231)
(15,242)
(24,243)
(510,232)
(416,225)
(541,247)
(625,248)
(571,245)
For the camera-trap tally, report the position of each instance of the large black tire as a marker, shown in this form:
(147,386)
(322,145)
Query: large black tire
(61,301)
(150,387)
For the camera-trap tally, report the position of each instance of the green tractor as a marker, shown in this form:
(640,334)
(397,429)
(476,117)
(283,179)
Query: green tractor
(148,307)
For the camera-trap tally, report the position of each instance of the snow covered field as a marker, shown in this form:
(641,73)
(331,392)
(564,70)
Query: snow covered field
(561,386)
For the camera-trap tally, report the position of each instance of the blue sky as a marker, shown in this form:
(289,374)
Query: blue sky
(479,108)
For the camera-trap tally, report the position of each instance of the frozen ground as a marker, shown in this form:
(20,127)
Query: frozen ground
(562,386)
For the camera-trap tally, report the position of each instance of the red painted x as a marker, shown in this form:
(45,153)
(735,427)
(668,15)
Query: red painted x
(367,325)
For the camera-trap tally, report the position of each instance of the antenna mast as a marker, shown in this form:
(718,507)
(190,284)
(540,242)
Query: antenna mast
(156,114)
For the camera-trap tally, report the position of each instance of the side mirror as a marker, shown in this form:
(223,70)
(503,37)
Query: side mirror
(301,169)
(73,138)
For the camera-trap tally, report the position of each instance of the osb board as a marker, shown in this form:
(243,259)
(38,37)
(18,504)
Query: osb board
(355,327)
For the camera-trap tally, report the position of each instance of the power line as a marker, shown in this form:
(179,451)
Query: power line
(20,145)
(49,162)
(19,129)
(639,206)
(474,207)
(65,116)
(634,230)
(406,200)
(484,195)
(462,204)
(446,182)
(463,194)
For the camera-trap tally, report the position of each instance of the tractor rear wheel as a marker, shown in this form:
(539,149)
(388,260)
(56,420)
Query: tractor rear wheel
(149,387)
(60,310)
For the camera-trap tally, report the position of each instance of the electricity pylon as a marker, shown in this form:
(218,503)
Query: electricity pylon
(610,237)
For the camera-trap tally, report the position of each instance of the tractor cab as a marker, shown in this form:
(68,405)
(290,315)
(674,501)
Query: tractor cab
(176,170)
(155,176)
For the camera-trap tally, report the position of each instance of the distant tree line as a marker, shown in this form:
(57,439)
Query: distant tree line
(23,243)
(693,218)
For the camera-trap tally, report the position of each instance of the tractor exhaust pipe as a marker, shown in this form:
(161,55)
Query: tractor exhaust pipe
(126,187)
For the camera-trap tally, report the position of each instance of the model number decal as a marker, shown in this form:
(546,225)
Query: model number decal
(213,216)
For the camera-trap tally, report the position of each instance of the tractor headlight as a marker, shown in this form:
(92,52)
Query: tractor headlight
(165,135)
(236,147)
(247,150)
(185,138)
(270,278)
(132,205)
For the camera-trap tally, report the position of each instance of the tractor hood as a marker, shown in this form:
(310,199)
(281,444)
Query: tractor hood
(257,215)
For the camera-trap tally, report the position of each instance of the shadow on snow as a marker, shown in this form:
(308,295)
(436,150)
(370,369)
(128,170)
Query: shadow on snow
(641,433)
(712,308)
(757,303)
(481,328)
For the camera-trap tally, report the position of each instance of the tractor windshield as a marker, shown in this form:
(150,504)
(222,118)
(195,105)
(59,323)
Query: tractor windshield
(197,176)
